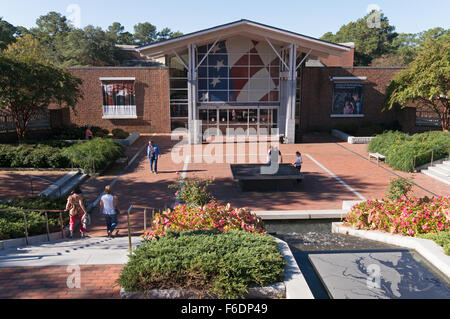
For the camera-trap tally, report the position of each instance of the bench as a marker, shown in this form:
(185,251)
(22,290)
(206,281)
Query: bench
(378,156)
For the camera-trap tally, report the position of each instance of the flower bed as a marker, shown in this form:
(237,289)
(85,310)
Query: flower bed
(211,263)
(209,217)
(405,216)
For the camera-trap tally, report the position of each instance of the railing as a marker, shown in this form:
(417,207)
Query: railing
(119,112)
(45,180)
(45,211)
(129,213)
(427,118)
(432,155)
(88,158)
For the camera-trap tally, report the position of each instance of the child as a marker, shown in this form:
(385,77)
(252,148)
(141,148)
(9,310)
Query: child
(298,162)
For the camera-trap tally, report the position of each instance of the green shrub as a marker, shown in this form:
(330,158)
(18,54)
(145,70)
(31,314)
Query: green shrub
(400,148)
(441,238)
(398,188)
(120,134)
(102,151)
(218,265)
(12,223)
(6,155)
(193,190)
(99,132)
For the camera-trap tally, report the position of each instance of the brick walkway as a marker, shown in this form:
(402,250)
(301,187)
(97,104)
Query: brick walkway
(18,184)
(97,282)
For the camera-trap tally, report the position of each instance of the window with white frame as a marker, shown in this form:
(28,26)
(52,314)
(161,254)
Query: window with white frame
(118,98)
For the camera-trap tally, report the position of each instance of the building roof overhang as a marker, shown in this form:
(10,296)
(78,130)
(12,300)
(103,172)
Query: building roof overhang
(255,30)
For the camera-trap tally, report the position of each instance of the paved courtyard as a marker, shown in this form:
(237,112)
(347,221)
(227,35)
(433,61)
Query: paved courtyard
(334,172)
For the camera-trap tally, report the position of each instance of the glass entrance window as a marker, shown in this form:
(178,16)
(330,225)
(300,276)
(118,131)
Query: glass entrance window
(253,116)
(212,117)
(223,117)
(238,116)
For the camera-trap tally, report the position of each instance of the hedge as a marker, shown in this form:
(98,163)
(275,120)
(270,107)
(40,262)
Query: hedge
(102,151)
(59,155)
(400,148)
(12,223)
(215,264)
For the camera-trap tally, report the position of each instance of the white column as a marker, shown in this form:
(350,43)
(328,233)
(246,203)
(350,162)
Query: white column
(193,124)
(291,96)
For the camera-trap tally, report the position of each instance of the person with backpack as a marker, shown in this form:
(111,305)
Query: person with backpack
(77,211)
(153,155)
(108,207)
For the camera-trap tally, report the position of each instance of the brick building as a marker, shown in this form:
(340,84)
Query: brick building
(239,75)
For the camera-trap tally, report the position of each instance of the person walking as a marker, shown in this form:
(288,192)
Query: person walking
(298,162)
(153,156)
(77,211)
(89,134)
(108,207)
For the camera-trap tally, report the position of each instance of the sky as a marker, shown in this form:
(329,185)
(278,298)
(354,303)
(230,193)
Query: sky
(312,18)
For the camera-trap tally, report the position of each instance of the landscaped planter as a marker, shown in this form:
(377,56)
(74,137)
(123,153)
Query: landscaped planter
(277,290)
(293,287)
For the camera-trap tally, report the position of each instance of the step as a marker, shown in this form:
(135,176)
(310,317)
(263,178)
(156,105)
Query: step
(439,171)
(440,178)
(54,188)
(446,163)
(443,167)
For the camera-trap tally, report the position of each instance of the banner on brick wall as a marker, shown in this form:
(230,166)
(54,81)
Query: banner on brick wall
(118,93)
(348,98)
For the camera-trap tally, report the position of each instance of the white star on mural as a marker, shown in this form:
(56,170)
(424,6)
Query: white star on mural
(215,81)
(219,65)
(205,97)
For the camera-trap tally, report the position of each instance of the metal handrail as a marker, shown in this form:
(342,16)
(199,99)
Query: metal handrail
(432,154)
(45,211)
(86,157)
(129,213)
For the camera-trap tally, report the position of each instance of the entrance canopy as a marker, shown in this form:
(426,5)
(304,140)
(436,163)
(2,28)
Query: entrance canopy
(254,30)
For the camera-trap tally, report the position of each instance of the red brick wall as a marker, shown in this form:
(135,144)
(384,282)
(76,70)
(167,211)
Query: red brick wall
(152,99)
(317,97)
(346,60)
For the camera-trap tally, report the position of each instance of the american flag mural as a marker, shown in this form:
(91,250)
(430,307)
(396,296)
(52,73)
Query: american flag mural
(238,70)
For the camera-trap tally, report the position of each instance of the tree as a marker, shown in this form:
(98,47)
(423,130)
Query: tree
(426,81)
(145,33)
(370,42)
(7,32)
(29,84)
(166,33)
(391,59)
(27,48)
(409,43)
(117,32)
